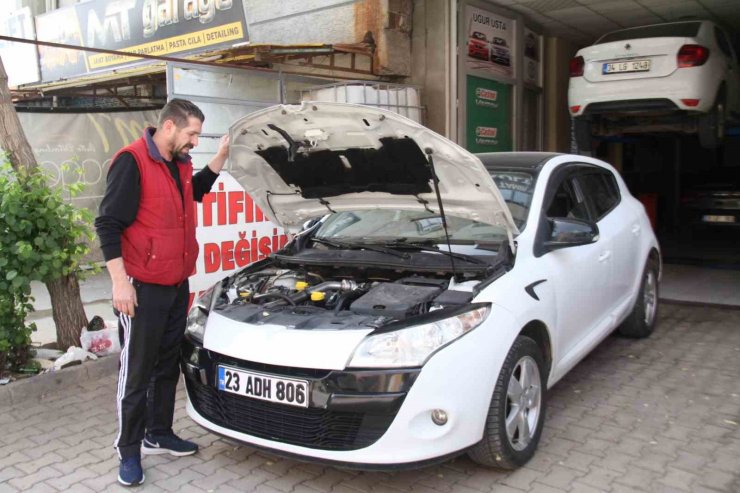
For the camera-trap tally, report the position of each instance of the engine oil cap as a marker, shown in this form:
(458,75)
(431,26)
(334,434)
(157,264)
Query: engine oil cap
(318,296)
(301,285)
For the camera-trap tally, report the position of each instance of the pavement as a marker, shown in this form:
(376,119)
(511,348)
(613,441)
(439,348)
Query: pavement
(654,415)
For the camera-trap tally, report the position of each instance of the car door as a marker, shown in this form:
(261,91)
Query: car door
(578,273)
(618,227)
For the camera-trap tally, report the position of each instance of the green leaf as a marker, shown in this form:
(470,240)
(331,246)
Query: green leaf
(11,275)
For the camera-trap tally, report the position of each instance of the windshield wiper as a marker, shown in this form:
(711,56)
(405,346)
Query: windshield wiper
(427,246)
(358,246)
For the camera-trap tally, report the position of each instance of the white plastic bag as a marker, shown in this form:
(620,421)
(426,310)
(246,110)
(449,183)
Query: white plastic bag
(73,353)
(101,342)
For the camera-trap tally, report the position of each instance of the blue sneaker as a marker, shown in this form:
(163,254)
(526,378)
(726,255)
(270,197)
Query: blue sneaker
(167,444)
(130,472)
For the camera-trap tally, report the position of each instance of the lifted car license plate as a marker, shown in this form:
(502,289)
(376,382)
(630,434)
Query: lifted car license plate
(263,387)
(630,66)
(718,219)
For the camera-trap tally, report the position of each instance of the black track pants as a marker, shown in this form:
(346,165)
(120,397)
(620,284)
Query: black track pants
(149,370)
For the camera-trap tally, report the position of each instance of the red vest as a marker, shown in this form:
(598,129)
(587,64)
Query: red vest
(159,247)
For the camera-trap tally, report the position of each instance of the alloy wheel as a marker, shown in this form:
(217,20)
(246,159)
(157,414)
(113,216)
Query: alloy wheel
(523,403)
(650,297)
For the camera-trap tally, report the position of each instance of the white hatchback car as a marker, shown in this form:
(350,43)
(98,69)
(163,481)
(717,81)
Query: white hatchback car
(430,299)
(680,76)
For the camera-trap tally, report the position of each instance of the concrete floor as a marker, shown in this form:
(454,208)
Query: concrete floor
(688,283)
(656,415)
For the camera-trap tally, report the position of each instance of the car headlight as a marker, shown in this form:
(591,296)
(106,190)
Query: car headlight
(412,346)
(198,316)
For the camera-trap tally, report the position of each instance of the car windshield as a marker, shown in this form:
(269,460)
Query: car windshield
(673,30)
(384,226)
(517,188)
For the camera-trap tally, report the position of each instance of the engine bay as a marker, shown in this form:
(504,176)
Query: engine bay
(337,298)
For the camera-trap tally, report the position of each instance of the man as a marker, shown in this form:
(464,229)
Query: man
(147,234)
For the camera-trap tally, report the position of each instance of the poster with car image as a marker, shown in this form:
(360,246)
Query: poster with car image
(490,41)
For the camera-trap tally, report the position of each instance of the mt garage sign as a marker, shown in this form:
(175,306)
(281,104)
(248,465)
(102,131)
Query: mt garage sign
(150,27)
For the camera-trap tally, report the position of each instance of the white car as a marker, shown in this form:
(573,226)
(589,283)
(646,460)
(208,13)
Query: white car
(427,304)
(680,76)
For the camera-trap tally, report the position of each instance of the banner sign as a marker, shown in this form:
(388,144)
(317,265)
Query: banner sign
(21,60)
(489,115)
(77,148)
(150,27)
(489,42)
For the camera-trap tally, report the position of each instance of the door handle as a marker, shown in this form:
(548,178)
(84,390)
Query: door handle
(605,256)
(636,229)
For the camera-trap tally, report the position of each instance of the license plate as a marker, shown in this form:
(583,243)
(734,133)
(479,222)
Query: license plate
(718,219)
(264,387)
(630,66)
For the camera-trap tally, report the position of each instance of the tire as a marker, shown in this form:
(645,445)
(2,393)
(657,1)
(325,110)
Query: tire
(712,125)
(641,321)
(499,448)
(582,133)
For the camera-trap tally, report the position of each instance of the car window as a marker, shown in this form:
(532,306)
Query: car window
(601,190)
(517,188)
(676,29)
(567,203)
(724,45)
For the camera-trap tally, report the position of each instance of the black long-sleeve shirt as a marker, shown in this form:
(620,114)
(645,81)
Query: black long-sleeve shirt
(121,200)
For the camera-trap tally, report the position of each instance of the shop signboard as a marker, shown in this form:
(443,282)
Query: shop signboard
(489,42)
(151,27)
(489,115)
(21,61)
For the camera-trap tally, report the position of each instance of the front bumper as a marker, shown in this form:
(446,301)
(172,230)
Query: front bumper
(347,409)
(374,419)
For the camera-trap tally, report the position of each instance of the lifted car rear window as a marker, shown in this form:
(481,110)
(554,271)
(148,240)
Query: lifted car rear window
(674,30)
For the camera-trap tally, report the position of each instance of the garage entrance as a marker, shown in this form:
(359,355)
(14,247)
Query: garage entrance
(691,192)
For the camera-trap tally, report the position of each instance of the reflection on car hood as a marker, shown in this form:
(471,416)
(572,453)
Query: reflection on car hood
(303,161)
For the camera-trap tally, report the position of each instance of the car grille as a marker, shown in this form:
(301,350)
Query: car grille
(308,427)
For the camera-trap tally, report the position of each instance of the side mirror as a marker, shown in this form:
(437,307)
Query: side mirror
(565,233)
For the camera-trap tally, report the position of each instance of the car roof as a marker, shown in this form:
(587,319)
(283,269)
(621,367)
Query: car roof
(521,160)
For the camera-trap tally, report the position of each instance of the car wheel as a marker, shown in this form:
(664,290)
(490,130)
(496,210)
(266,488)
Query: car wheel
(517,410)
(641,322)
(712,125)
(582,133)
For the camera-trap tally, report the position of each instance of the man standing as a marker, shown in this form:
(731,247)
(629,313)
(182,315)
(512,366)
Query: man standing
(147,234)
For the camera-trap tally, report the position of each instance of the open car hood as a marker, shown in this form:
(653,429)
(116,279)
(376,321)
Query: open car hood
(303,161)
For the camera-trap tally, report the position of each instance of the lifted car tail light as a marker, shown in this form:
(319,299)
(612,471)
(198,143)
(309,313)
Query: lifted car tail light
(576,66)
(575,109)
(692,56)
(690,102)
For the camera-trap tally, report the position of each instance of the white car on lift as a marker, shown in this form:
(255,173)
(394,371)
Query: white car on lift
(679,76)
(430,299)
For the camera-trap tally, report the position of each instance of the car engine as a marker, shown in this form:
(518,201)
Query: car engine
(334,298)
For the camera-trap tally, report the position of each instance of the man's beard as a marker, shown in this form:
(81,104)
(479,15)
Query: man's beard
(180,153)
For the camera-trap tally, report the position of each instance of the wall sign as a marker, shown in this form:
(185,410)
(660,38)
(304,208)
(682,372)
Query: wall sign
(532,57)
(489,115)
(151,27)
(21,61)
(489,43)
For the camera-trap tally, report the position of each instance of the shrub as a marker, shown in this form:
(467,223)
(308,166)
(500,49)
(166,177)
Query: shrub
(42,238)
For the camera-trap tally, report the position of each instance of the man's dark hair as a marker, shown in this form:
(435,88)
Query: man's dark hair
(178,110)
